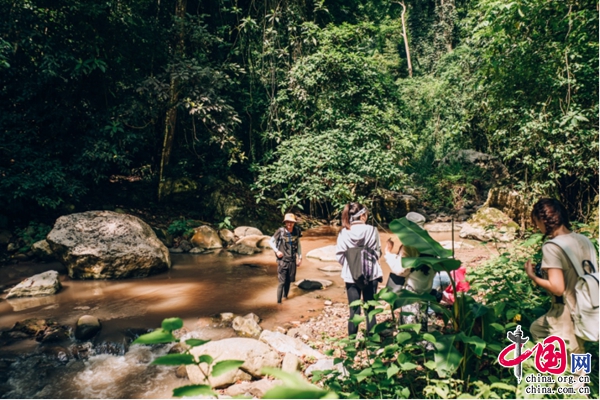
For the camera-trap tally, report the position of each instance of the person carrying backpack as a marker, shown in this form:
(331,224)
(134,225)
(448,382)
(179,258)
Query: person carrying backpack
(359,243)
(559,275)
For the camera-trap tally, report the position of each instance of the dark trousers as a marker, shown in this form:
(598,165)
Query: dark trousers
(354,293)
(286,274)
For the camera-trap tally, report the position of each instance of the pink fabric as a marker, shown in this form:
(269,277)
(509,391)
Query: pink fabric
(461,285)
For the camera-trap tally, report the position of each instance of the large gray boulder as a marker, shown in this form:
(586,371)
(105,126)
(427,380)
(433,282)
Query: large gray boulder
(43,284)
(287,344)
(107,245)
(489,224)
(255,354)
(206,237)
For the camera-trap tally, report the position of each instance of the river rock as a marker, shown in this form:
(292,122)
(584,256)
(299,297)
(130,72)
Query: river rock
(43,284)
(206,237)
(181,372)
(313,283)
(87,326)
(107,245)
(227,236)
(246,326)
(287,344)
(42,250)
(241,248)
(504,228)
(326,253)
(291,363)
(243,231)
(257,241)
(185,246)
(255,354)
(331,268)
(306,284)
(56,333)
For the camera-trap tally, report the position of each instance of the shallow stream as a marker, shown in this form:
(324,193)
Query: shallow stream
(196,288)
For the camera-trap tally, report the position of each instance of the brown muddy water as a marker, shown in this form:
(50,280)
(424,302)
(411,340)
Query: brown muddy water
(196,288)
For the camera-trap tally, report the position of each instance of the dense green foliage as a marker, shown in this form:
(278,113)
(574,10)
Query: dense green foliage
(311,102)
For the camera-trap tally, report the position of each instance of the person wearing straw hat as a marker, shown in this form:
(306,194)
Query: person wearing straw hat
(286,245)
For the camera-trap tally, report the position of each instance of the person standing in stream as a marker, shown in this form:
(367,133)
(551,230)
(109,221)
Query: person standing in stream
(286,245)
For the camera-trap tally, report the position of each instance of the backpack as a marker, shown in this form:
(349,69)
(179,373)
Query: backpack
(585,314)
(361,261)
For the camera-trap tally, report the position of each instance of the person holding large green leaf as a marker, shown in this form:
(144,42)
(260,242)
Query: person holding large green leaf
(356,234)
(418,279)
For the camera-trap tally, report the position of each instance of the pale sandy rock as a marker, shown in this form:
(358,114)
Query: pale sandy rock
(326,253)
(106,245)
(242,231)
(43,284)
(254,240)
(331,268)
(287,344)
(255,354)
(291,363)
(246,327)
(241,248)
(227,236)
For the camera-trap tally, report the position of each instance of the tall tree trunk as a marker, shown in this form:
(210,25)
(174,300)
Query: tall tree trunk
(405,36)
(171,114)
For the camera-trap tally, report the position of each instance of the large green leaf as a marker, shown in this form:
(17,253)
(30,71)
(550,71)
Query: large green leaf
(174,359)
(171,324)
(410,234)
(437,264)
(478,342)
(193,390)
(156,337)
(447,357)
(225,366)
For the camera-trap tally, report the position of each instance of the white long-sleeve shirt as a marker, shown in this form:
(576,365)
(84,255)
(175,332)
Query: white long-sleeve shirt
(357,235)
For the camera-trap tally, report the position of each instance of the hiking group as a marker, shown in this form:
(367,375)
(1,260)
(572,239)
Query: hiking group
(567,271)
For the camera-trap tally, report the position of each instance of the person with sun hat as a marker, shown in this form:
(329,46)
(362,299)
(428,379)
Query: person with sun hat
(286,245)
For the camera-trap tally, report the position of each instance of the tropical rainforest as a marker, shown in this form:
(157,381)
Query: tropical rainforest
(307,104)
